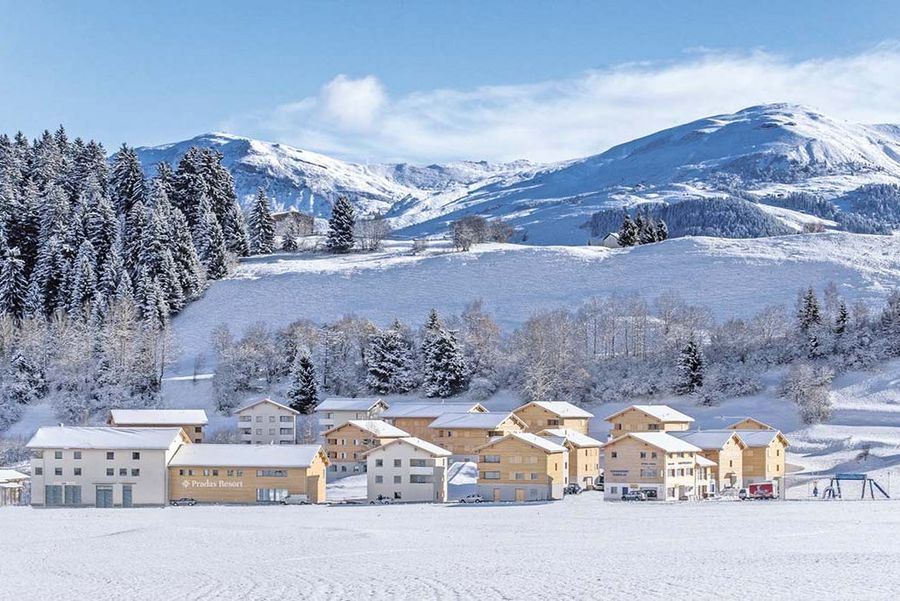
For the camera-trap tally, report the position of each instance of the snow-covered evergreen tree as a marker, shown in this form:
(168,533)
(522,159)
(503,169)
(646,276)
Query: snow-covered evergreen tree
(628,233)
(662,231)
(340,226)
(127,180)
(289,242)
(261,225)
(216,257)
(13,284)
(303,394)
(83,282)
(690,368)
(390,363)
(808,312)
(444,370)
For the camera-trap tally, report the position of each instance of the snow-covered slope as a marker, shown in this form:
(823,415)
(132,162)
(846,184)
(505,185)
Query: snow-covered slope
(761,151)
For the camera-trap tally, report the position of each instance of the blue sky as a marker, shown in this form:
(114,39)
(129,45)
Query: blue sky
(434,80)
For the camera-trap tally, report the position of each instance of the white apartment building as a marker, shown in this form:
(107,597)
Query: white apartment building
(407,470)
(102,467)
(337,411)
(267,422)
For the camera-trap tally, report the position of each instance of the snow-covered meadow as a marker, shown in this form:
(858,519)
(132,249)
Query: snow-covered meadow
(578,548)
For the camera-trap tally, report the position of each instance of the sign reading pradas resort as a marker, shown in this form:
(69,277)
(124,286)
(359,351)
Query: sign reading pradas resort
(212,484)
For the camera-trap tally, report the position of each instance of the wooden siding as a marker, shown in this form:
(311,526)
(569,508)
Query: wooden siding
(583,463)
(465,441)
(538,418)
(635,420)
(518,457)
(764,463)
(347,443)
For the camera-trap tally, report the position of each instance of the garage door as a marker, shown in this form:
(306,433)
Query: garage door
(104,496)
(53,495)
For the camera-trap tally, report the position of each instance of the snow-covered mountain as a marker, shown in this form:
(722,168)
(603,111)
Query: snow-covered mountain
(761,153)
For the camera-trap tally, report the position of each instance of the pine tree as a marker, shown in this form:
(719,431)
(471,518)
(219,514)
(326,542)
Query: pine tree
(289,240)
(184,255)
(690,368)
(261,225)
(640,226)
(628,234)
(340,227)
(216,258)
(648,233)
(662,231)
(808,313)
(389,362)
(13,285)
(842,319)
(83,282)
(223,200)
(443,371)
(303,394)
(127,180)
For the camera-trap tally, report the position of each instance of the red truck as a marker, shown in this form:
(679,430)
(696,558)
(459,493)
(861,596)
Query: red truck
(758,490)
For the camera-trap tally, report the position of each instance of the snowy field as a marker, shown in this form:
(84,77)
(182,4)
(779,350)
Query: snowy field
(731,277)
(578,548)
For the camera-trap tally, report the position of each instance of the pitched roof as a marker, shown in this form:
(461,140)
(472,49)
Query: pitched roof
(11,475)
(424,445)
(482,421)
(576,438)
(759,438)
(74,437)
(245,455)
(663,413)
(429,409)
(660,440)
(376,427)
(750,419)
(707,439)
(704,462)
(260,401)
(560,408)
(348,404)
(158,417)
(533,439)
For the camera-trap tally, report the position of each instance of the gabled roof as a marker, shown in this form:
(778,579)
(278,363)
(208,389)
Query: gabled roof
(660,440)
(762,425)
(12,475)
(376,427)
(709,439)
(74,437)
(349,404)
(760,438)
(245,455)
(560,408)
(548,446)
(481,421)
(663,413)
(561,435)
(431,410)
(424,445)
(158,417)
(704,462)
(246,406)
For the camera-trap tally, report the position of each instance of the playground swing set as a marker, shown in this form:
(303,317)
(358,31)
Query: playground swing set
(834,488)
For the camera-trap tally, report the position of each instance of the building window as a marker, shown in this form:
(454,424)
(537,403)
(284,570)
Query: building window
(286,431)
(421,479)
(653,455)
(239,473)
(653,426)
(190,472)
(331,441)
(110,471)
(38,471)
(271,418)
(57,471)
(230,473)
(329,415)
(57,454)
(37,454)
(490,475)
(135,456)
(519,476)
(418,463)
(270,495)
(379,463)
(614,489)
(180,472)
(215,473)
(552,422)
(110,455)
(379,479)
(123,471)
(258,418)
(206,472)
(398,462)
(271,473)
(197,429)
(643,454)
(398,479)
(491,459)
(285,419)
(77,454)
(617,426)
(245,418)
(614,454)
(271,431)
(535,476)
(135,472)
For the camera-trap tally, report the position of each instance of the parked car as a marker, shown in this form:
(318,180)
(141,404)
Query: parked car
(634,495)
(573,489)
(650,492)
(295,500)
(381,500)
(474,498)
(183,501)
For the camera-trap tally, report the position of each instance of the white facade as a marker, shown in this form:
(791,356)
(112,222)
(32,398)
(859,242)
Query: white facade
(267,422)
(408,470)
(335,412)
(89,467)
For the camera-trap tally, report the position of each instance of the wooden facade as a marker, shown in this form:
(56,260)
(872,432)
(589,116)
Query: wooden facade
(636,419)
(541,416)
(465,441)
(634,464)
(514,468)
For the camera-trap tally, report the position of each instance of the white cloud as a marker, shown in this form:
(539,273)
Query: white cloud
(555,120)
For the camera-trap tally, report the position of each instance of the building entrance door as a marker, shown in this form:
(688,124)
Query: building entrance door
(103,496)
(520,495)
(496,494)
(127,496)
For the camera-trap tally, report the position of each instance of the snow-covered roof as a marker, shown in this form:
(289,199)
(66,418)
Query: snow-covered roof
(377,427)
(429,409)
(246,406)
(348,404)
(532,439)
(12,475)
(488,420)
(660,440)
(759,438)
(75,437)
(706,439)
(704,462)
(560,408)
(663,413)
(424,445)
(763,425)
(159,417)
(576,438)
(245,455)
